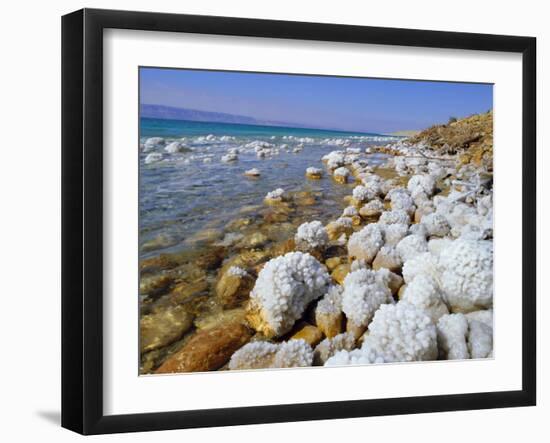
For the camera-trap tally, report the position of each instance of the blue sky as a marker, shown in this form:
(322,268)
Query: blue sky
(356,104)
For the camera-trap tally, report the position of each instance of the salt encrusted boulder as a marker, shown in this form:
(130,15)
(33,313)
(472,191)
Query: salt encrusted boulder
(254,355)
(480,339)
(363,194)
(350,211)
(341,175)
(466,275)
(311,236)
(395,217)
(418,229)
(436,225)
(372,209)
(227,158)
(262,354)
(153,157)
(436,245)
(252,172)
(423,292)
(410,246)
(334,159)
(276,196)
(461,337)
(394,233)
(314,173)
(363,356)
(484,316)
(366,243)
(152,143)
(328,313)
(402,332)
(388,258)
(421,184)
(425,263)
(398,333)
(339,227)
(283,289)
(293,353)
(364,291)
(330,346)
(452,332)
(402,201)
(175,147)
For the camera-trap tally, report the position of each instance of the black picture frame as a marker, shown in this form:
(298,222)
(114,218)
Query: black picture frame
(82,218)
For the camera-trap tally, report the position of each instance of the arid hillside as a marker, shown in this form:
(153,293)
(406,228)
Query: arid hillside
(471,138)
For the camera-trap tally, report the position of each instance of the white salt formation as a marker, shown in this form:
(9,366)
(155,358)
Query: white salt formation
(283,289)
(311,236)
(366,243)
(364,291)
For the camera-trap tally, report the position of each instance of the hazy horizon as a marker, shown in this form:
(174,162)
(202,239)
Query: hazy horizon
(317,102)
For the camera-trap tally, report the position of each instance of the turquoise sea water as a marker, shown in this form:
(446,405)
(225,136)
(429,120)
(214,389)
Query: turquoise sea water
(184,193)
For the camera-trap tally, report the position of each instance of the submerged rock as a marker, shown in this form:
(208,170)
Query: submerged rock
(161,328)
(234,286)
(207,350)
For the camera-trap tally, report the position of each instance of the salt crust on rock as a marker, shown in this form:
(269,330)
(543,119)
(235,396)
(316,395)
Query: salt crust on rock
(421,184)
(366,243)
(402,201)
(262,354)
(363,193)
(328,313)
(283,289)
(342,172)
(364,291)
(330,346)
(423,292)
(311,236)
(372,208)
(350,211)
(395,217)
(402,332)
(411,246)
(399,332)
(466,274)
(421,264)
(436,225)
(462,336)
(394,233)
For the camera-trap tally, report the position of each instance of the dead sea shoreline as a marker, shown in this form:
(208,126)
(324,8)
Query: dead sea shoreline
(287,285)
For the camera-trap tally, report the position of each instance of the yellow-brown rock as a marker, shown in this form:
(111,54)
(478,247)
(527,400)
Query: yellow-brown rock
(333,262)
(232,288)
(161,328)
(310,334)
(339,273)
(207,350)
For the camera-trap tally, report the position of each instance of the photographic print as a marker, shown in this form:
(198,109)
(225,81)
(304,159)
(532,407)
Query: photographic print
(290,221)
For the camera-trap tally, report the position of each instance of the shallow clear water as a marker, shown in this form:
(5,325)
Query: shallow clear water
(182,194)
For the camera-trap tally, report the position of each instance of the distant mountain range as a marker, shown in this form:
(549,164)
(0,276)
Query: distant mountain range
(172,113)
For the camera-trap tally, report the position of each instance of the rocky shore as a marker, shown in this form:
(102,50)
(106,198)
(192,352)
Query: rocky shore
(405,273)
